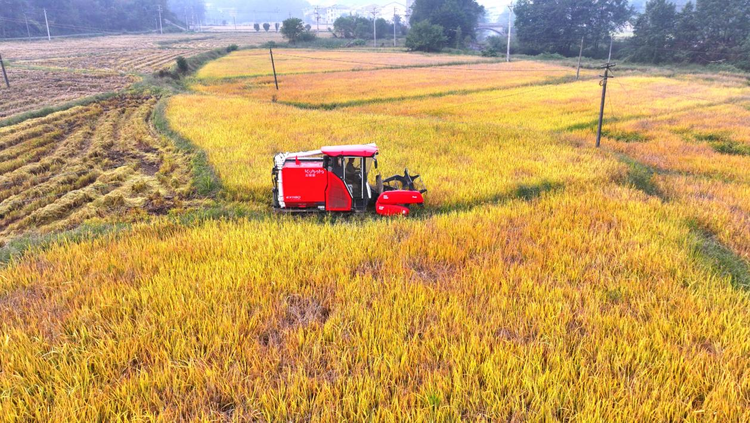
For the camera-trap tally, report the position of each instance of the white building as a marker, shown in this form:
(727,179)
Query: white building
(334,12)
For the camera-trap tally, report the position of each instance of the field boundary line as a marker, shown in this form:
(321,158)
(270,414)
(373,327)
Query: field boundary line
(46,111)
(396,67)
(463,92)
(205,180)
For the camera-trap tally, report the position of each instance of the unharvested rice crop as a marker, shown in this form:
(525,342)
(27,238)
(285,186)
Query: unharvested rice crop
(97,161)
(543,280)
(353,88)
(289,61)
(568,105)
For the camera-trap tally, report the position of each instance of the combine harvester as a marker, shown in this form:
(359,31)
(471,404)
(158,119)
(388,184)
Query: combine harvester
(334,179)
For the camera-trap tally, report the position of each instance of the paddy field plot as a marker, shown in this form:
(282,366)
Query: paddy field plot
(52,73)
(544,279)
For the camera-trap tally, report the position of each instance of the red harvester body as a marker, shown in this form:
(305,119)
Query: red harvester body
(335,179)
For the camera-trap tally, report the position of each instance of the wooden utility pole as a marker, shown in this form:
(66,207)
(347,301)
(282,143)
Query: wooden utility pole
(603,83)
(49,37)
(609,58)
(5,75)
(273,65)
(580,55)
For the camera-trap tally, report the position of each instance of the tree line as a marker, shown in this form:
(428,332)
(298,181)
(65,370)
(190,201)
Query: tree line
(22,18)
(707,31)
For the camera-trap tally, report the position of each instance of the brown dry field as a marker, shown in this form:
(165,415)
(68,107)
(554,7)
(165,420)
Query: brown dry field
(36,88)
(49,73)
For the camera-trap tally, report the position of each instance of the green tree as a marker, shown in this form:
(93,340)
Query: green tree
(725,25)
(556,26)
(266,26)
(293,29)
(344,26)
(383,28)
(686,34)
(425,36)
(256,26)
(653,32)
(449,14)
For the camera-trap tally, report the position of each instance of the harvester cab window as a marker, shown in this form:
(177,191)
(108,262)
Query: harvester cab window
(353,176)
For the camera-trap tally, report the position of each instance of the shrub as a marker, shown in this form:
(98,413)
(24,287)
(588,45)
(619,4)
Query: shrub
(182,65)
(232,48)
(494,46)
(266,26)
(425,36)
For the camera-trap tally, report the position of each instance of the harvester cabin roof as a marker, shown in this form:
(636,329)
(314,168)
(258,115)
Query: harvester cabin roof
(364,150)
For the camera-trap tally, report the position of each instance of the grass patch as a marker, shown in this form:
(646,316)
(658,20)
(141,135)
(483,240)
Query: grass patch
(624,136)
(641,177)
(731,147)
(716,255)
(205,181)
(722,143)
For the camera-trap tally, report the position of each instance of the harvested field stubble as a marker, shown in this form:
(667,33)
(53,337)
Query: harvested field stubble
(33,89)
(101,161)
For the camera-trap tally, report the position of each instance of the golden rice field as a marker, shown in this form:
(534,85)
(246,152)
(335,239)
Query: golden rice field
(352,88)
(544,279)
(250,63)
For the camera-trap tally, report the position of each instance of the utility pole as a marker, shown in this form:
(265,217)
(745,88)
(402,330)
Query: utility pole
(374,28)
(580,55)
(49,37)
(28,31)
(161,30)
(394,27)
(5,75)
(273,65)
(603,83)
(609,58)
(317,19)
(510,24)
